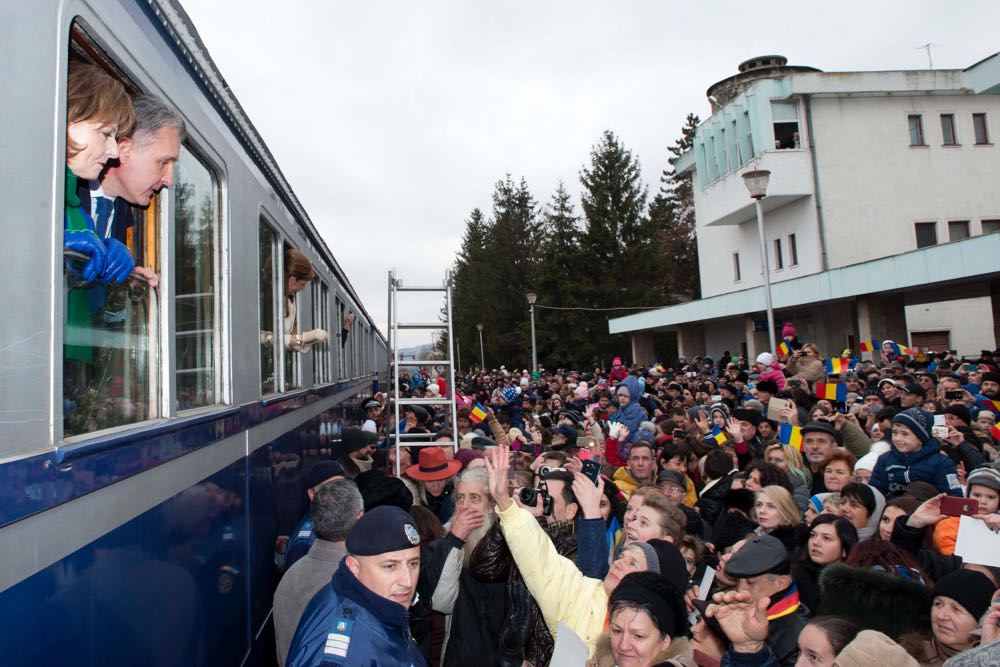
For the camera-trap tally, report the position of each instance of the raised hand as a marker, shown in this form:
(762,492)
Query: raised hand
(588,496)
(742,619)
(497,465)
(928,514)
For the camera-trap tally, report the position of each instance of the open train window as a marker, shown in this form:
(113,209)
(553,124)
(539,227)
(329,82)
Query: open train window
(110,335)
(269,343)
(321,320)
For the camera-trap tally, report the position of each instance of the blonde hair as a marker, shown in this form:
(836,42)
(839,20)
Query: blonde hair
(792,455)
(782,499)
(814,348)
(94,95)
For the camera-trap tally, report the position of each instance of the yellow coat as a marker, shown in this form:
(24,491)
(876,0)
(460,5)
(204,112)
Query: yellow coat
(561,591)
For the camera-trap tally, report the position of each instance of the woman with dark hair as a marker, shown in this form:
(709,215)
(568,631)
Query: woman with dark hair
(831,539)
(760,474)
(887,557)
(900,506)
(823,638)
(862,505)
(717,467)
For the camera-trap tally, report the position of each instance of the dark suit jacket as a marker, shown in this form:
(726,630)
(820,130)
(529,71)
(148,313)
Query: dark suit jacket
(124,216)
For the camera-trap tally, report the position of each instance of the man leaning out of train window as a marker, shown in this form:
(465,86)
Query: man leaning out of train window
(145,166)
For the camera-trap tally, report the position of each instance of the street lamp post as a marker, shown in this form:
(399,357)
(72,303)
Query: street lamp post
(482,357)
(756,182)
(532,297)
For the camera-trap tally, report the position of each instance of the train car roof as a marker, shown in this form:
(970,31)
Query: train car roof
(178,27)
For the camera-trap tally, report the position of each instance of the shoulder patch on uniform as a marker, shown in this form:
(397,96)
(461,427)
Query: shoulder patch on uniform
(953,482)
(338,642)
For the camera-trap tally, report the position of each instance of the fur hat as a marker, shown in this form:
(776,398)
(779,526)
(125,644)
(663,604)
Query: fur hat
(875,600)
(874,648)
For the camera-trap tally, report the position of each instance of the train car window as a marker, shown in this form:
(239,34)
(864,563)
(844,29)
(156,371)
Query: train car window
(341,368)
(196,282)
(321,320)
(292,326)
(268,341)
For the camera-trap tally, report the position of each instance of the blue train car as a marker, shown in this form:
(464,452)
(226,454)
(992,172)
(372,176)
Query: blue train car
(151,462)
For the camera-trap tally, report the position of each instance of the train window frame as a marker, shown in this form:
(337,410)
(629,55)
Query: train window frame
(319,292)
(276,340)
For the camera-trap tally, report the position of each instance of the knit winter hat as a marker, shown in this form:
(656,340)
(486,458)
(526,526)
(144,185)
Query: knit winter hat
(969,588)
(960,411)
(918,421)
(873,648)
(765,358)
(988,476)
(788,331)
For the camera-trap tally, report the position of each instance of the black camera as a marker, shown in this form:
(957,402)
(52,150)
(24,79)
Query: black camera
(529,497)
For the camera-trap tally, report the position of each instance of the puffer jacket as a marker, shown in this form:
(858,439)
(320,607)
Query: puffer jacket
(560,589)
(625,482)
(894,470)
(774,374)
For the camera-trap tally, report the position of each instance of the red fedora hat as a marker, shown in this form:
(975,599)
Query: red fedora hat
(433,465)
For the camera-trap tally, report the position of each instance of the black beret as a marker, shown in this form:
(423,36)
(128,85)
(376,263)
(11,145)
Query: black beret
(382,530)
(820,427)
(354,439)
(321,472)
(761,555)
(745,415)
(989,376)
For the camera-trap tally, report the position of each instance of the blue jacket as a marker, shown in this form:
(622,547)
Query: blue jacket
(894,470)
(302,538)
(348,625)
(632,414)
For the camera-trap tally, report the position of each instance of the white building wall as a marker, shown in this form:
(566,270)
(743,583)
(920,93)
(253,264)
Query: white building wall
(722,335)
(965,319)
(874,186)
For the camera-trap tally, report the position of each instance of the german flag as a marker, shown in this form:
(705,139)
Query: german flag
(789,434)
(478,413)
(837,365)
(831,392)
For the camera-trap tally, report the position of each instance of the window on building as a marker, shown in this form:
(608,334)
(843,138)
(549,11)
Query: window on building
(926,234)
(980,128)
(341,361)
(793,251)
(935,341)
(958,230)
(746,121)
(916,123)
(991,226)
(725,151)
(948,134)
(779,261)
(736,267)
(739,146)
(197,308)
(785,117)
(714,157)
(292,376)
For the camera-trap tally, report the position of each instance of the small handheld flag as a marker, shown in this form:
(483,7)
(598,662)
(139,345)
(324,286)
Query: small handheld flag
(789,434)
(478,413)
(837,365)
(832,392)
(869,345)
(992,406)
(784,350)
(995,432)
(717,435)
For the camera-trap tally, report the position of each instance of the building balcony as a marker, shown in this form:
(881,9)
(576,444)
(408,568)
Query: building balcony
(727,202)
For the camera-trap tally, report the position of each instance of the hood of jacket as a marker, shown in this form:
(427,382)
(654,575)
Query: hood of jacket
(678,653)
(911,458)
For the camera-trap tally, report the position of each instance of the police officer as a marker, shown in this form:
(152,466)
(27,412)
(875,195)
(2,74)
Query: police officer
(304,534)
(360,619)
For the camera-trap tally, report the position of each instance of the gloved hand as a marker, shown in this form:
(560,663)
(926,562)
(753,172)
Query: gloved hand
(120,264)
(314,336)
(87,242)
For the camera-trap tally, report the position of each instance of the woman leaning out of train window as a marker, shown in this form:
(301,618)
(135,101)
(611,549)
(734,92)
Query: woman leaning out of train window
(98,110)
(298,274)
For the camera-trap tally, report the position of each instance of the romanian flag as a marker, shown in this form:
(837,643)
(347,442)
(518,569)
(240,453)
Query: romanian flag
(789,434)
(869,345)
(832,392)
(992,406)
(660,368)
(995,432)
(903,350)
(837,365)
(783,349)
(478,413)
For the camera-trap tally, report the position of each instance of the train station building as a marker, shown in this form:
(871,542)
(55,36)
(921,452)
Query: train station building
(879,218)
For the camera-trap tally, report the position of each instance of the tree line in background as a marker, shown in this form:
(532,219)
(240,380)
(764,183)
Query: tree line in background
(624,250)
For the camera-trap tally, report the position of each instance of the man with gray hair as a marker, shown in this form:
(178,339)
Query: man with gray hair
(335,508)
(145,166)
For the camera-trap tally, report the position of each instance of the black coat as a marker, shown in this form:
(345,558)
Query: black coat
(806,575)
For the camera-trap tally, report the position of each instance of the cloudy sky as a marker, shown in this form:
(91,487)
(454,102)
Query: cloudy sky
(393,120)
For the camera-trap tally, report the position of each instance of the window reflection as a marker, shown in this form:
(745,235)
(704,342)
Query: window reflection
(266,301)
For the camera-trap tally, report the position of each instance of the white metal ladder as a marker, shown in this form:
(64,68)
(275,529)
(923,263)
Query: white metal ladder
(399,439)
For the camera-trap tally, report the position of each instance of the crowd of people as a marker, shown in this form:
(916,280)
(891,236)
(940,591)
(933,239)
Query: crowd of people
(683,513)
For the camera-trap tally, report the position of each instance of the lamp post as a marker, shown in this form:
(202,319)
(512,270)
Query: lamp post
(458,355)
(482,357)
(756,182)
(532,297)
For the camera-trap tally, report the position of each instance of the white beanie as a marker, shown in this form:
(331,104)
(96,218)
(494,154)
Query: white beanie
(765,358)
(867,462)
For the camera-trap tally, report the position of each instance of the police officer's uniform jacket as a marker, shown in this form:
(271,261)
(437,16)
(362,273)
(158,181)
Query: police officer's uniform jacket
(348,625)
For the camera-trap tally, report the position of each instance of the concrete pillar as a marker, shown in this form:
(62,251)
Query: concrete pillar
(691,340)
(757,341)
(642,348)
(882,317)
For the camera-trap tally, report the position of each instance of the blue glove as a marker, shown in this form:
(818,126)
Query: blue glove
(87,242)
(120,263)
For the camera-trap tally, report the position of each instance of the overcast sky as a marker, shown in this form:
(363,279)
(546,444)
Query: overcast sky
(393,120)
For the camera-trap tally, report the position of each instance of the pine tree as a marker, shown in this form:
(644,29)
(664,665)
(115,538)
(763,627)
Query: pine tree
(471,281)
(672,216)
